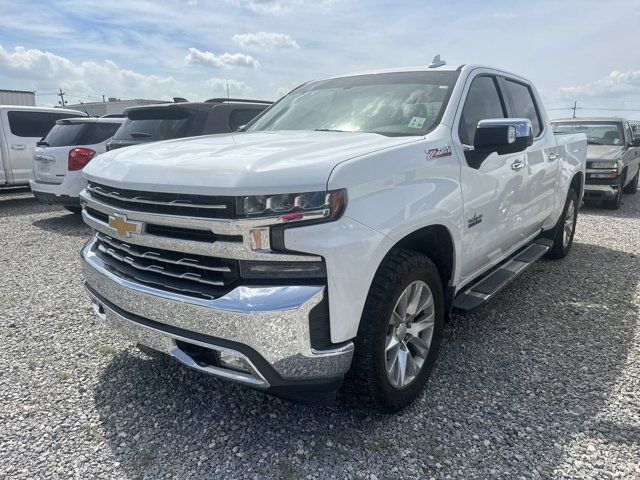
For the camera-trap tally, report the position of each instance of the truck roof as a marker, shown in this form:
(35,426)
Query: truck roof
(425,68)
(589,119)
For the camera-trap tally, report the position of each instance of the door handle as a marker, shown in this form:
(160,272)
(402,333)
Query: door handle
(18,147)
(553,157)
(518,165)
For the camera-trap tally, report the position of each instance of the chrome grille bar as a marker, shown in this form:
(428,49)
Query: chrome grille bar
(101,192)
(192,276)
(149,254)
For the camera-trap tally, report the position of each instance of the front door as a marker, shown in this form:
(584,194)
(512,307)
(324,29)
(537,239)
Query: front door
(493,187)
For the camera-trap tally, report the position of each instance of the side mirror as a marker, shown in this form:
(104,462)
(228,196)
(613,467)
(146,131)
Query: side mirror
(635,142)
(503,135)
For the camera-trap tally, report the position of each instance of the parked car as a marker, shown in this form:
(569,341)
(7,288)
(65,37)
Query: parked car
(60,156)
(185,119)
(20,130)
(335,234)
(613,157)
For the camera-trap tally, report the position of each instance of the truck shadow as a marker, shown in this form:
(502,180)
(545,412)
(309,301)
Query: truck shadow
(69,224)
(527,372)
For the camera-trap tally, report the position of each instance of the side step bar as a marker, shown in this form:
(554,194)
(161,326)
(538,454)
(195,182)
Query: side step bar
(483,290)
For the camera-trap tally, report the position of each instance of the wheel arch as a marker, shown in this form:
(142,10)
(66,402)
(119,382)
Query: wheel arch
(436,242)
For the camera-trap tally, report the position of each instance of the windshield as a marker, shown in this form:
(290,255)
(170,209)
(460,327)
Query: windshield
(405,103)
(598,133)
(151,124)
(82,133)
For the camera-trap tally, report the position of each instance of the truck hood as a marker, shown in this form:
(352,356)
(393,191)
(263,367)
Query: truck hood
(604,152)
(236,164)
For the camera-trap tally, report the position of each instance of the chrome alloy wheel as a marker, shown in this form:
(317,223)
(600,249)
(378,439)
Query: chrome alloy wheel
(569,223)
(409,334)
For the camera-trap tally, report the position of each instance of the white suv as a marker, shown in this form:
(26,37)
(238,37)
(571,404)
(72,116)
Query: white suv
(60,156)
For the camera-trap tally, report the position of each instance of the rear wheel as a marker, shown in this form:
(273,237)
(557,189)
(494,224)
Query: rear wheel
(633,185)
(400,332)
(565,228)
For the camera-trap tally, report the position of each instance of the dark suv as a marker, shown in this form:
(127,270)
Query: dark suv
(151,123)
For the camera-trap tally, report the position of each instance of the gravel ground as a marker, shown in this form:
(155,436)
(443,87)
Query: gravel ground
(544,382)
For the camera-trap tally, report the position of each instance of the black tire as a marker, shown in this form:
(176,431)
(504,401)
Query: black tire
(632,188)
(367,380)
(561,247)
(73,209)
(617,201)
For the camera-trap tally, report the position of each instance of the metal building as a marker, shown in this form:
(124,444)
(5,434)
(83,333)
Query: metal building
(111,106)
(18,97)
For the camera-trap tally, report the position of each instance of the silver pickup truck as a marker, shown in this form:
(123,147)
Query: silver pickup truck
(613,157)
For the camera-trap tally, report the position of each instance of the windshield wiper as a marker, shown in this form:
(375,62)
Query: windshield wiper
(42,143)
(594,142)
(139,135)
(327,130)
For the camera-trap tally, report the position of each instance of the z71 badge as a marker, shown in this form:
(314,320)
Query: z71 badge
(475,220)
(439,152)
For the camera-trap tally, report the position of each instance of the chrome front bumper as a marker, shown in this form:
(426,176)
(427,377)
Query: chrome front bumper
(602,191)
(266,326)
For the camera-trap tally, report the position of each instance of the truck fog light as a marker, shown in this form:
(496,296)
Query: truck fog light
(233,361)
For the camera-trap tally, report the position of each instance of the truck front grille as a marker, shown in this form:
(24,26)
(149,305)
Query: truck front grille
(206,206)
(205,277)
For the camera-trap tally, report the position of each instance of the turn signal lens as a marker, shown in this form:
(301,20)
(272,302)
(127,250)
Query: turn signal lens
(79,157)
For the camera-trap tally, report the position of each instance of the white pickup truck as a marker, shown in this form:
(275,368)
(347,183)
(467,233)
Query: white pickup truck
(332,237)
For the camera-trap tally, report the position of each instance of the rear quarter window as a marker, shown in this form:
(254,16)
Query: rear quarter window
(33,124)
(522,104)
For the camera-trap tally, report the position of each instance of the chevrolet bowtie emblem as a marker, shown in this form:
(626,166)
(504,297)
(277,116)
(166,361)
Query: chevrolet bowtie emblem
(123,226)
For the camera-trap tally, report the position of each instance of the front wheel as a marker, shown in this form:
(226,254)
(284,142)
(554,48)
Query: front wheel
(617,200)
(400,332)
(565,228)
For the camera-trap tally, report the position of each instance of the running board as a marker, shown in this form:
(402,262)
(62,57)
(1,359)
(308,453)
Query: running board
(483,290)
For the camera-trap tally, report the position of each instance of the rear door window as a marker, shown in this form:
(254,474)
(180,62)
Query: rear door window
(242,116)
(33,124)
(522,104)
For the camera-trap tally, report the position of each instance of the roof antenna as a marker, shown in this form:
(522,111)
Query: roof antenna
(437,62)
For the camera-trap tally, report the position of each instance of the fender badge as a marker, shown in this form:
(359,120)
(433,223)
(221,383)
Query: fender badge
(475,220)
(439,152)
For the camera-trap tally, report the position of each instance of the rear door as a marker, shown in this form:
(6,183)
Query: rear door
(24,129)
(493,186)
(542,158)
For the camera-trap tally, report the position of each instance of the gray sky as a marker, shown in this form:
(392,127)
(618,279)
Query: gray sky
(573,50)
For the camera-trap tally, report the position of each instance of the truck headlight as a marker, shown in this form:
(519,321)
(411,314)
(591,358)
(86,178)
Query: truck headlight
(291,207)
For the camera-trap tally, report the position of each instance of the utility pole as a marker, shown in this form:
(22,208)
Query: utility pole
(103,100)
(575,107)
(61,95)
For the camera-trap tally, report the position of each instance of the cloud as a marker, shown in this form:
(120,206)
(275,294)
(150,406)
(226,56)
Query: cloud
(265,41)
(236,87)
(225,60)
(275,7)
(42,70)
(616,85)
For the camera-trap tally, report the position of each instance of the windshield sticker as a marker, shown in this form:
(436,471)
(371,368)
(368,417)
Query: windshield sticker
(439,152)
(417,122)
